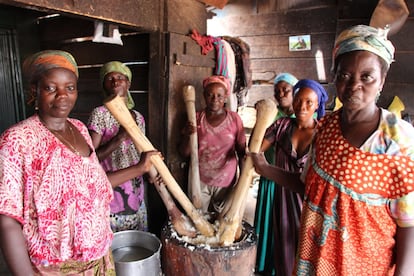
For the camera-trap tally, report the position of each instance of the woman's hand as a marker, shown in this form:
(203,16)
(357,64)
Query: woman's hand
(145,159)
(259,161)
(156,180)
(184,145)
(142,167)
(188,129)
(287,179)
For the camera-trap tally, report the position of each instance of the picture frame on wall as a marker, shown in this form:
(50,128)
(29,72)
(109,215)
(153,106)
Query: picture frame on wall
(300,43)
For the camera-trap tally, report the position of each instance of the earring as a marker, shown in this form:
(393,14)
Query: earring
(378,95)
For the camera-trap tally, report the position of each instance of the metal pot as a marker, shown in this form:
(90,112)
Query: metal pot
(136,253)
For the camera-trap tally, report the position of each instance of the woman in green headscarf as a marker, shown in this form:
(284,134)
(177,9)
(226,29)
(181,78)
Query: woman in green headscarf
(124,165)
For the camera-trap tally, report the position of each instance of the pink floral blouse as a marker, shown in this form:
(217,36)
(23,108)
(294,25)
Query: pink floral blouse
(60,198)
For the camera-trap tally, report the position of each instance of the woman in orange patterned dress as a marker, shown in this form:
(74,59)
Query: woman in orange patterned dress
(358,183)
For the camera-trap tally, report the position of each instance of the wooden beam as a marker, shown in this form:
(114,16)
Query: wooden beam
(143,14)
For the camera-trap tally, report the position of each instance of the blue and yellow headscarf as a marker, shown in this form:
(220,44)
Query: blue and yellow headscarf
(367,38)
(118,67)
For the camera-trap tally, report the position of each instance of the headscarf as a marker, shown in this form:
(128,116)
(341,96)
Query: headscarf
(118,67)
(367,38)
(218,79)
(319,90)
(286,77)
(37,64)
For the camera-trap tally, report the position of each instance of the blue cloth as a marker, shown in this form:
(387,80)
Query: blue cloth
(319,90)
(286,77)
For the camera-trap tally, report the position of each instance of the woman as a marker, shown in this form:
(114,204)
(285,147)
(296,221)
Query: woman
(358,211)
(54,195)
(263,220)
(283,93)
(221,144)
(124,165)
(291,138)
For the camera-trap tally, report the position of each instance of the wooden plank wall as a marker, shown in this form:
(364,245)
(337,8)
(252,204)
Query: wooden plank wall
(180,62)
(122,12)
(267,32)
(400,81)
(61,33)
(186,66)
(266,28)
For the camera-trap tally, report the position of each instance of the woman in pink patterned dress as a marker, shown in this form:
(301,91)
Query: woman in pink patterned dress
(358,182)
(54,194)
(122,162)
(221,144)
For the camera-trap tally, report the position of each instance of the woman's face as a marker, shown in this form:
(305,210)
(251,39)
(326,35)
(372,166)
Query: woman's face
(359,80)
(283,93)
(56,93)
(117,84)
(215,96)
(305,103)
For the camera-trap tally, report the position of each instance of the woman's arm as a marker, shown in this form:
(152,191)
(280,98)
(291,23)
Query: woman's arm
(144,165)
(290,180)
(13,246)
(265,145)
(103,151)
(405,251)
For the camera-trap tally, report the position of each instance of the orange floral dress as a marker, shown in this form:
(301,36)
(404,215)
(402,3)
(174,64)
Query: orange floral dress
(355,198)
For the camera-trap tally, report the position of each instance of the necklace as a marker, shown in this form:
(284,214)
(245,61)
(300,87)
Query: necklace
(63,139)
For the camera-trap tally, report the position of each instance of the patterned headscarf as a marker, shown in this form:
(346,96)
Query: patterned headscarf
(37,64)
(118,67)
(218,79)
(286,77)
(319,90)
(367,38)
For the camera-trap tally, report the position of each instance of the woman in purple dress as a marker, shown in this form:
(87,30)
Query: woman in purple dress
(291,138)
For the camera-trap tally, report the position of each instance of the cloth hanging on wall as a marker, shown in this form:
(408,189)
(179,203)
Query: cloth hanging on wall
(232,102)
(241,81)
(209,43)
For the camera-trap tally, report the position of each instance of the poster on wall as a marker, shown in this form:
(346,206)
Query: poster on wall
(300,43)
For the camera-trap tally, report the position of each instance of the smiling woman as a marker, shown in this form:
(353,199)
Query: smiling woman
(54,195)
(221,144)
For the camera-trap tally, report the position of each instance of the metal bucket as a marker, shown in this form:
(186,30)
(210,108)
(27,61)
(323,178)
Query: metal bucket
(136,253)
(184,259)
